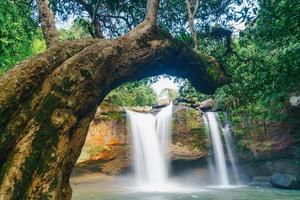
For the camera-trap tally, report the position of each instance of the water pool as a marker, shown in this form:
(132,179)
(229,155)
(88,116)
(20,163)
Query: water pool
(95,189)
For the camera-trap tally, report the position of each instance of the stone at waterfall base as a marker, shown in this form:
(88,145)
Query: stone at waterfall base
(285,181)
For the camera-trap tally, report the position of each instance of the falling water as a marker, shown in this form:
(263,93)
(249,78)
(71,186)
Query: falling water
(219,154)
(211,167)
(151,137)
(229,147)
(163,129)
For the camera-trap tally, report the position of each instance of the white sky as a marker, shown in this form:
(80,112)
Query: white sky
(64,24)
(164,83)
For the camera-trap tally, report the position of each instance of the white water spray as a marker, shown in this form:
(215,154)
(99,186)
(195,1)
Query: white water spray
(151,137)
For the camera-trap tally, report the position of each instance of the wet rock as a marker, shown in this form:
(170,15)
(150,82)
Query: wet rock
(189,131)
(207,104)
(140,108)
(261,181)
(113,161)
(285,181)
(164,101)
(261,184)
(180,152)
(118,165)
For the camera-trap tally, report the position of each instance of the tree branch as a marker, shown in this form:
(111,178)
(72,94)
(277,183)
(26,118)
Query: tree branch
(21,5)
(95,29)
(95,21)
(191,16)
(196,8)
(47,22)
(104,17)
(151,11)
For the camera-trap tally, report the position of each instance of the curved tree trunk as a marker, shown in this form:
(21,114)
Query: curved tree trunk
(47,102)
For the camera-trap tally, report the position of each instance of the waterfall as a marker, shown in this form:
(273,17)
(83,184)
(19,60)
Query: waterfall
(211,167)
(219,155)
(229,147)
(151,137)
(211,121)
(164,129)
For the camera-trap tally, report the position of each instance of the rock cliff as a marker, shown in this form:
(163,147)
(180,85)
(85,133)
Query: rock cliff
(107,147)
(271,150)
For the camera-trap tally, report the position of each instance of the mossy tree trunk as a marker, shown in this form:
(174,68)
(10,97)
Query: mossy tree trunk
(48,101)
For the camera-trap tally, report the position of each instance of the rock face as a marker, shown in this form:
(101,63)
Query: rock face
(107,146)
(285,181)
(189,139)
(271,150)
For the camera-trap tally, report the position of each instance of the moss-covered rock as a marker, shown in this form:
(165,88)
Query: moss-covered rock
(268,148)
(189,129)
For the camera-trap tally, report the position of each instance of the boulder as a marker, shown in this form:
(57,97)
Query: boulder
(295,101)
(285,181)
(208,104)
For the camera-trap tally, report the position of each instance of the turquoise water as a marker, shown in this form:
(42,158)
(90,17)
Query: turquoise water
(110,190)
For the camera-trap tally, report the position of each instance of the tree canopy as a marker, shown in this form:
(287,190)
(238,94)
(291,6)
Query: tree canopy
(19,36)
(266,73)
(255,41)
(133,94)
(261,61)
(116,17)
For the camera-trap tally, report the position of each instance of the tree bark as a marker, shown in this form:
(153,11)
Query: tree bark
(47,102)
(47,22)
(151,11)
(191,17)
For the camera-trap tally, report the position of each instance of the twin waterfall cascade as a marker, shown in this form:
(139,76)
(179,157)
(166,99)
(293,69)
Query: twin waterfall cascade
(151,136)
(211,121)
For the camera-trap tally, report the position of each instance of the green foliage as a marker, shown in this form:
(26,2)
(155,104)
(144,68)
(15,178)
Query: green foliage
(77,30)
(263,62)
(19,37)
(169,93)
(173,16)
(189,94)
(133,94)
(115,116)
(118,17)
(38,44)
(270,72)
